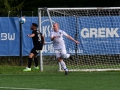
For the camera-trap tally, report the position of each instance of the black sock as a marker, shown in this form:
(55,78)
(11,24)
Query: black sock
(29,62)
(36,62)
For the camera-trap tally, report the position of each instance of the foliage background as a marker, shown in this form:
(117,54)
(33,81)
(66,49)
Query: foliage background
(32,5)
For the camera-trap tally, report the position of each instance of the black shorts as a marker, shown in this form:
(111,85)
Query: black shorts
(35,50)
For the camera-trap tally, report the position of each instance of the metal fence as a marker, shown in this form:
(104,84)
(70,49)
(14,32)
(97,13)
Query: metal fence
(17,14)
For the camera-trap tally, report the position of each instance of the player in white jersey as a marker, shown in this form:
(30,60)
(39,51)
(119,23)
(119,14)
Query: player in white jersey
(59,45)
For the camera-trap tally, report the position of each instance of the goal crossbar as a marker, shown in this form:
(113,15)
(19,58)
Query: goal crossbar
(82,8)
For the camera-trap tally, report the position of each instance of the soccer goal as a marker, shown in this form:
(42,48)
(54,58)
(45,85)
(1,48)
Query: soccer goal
(97,30)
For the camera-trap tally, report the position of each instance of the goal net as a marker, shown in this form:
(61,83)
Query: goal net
(97,30)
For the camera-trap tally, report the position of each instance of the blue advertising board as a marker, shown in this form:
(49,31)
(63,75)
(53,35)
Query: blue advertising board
(97,35)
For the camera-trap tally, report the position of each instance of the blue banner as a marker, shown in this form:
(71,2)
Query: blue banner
(97,35)
(9,36)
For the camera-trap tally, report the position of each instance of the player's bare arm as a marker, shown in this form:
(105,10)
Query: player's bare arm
(72,39)
(31,35)
(43,39)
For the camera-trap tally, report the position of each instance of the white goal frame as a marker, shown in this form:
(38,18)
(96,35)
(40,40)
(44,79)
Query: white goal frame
(79,8)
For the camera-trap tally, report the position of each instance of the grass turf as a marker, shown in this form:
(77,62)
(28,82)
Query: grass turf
(13,76)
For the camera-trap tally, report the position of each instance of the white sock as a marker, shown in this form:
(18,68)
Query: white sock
(63,65)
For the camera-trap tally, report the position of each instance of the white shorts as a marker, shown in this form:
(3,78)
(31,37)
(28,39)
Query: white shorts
(61,53)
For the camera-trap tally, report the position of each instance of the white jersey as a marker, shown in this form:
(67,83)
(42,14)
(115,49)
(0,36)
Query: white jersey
(58,43)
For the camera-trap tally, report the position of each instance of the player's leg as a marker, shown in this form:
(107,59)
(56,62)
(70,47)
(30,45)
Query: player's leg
(31,55)
(64,54)
(36,60)
(59,58)
(63,65)
(37,50)
(30,59)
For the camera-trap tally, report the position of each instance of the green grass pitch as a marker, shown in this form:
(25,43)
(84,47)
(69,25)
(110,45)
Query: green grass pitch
(13,78)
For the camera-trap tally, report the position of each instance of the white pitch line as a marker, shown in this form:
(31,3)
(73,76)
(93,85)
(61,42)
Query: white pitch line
(24,88)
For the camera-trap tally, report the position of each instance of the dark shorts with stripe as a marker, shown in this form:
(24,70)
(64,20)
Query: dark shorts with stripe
(35,50)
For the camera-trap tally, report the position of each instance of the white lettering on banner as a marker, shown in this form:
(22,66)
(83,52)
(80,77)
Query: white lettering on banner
(7,36)
(46,31)
(46,27)
(100,32)
(73,51)
(48,48)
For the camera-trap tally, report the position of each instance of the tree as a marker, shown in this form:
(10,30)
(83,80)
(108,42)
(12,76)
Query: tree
(12,6)
(33,5)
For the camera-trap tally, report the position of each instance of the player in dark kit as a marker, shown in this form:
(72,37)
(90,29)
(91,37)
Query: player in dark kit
(38,41)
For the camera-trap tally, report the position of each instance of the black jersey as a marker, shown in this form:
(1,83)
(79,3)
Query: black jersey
(37,39)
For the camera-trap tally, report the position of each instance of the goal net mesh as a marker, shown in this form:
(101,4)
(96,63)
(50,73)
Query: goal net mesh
(97,30)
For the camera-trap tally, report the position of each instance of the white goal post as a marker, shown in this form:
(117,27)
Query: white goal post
(96,28)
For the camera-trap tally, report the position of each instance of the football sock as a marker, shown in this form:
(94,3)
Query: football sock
(29,62)
(63,65)
(36,62)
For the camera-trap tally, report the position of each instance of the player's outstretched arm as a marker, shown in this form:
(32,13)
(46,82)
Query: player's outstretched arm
(72,39)
(31,35)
